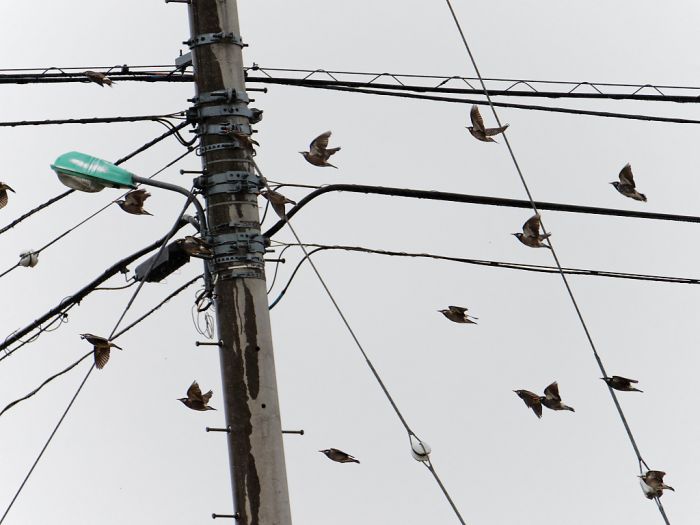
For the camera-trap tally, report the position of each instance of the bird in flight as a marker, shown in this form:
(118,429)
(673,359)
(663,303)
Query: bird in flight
(100,79)
(626,186)
(195,400)
(478,130)
(552,399)
(621,383)
(101,348)
(3,194)
(531,400)
(531,233)
(457,314)
(339,456)
(133,202)
(653,485)
(319,152)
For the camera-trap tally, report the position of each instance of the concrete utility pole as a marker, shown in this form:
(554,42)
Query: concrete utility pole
(230,186)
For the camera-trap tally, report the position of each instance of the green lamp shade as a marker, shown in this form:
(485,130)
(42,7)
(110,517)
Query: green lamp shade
(86,173)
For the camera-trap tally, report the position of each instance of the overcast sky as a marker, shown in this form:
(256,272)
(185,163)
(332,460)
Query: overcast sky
(130,453)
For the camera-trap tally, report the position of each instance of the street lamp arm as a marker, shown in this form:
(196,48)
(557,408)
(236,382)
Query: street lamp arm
(201,217)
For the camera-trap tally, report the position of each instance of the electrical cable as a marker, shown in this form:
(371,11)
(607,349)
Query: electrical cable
(477,262)
(556,260)
(164,243)
(475,199)
(68,192)
(376,375)
(608,114)
(91,120)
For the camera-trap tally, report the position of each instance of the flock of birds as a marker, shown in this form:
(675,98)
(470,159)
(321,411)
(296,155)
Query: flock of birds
(318,155)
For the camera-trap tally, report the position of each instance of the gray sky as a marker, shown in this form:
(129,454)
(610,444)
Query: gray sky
(129,452)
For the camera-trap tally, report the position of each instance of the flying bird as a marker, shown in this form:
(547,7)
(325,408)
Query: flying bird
(531,233)
(101,348)
(133,202)
(195,400)
(319,152)
(3,194)
(478,130)
(653,485)
(339,456)
(196,247)
(552,399)
(532,401)
(277,200)
(621,383)
(626,186)
(98,78)
(457,314)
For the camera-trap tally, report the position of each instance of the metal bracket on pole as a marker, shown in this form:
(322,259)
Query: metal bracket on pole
(228,96)
(225,243)
(206,39)
(211,429)
(229,181)
(229,110)
(231,144)
(234,516)
(222,128)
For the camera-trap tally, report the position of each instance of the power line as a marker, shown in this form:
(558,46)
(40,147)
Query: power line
(374,371)
(68,192)
(556,259)
(608,114)
(89,120)
(477,262)
(532,93)
(70,75)
(163,244)
(475,199)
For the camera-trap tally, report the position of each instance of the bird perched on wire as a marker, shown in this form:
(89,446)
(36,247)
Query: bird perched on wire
(319,152)
(101,348)
(457,314)
(531,400)
(133,202)
(478,130)
(195,400)
(653,485)
(626,186)
(531,233)
(4,188)
(338,455)
(100,79)
(196,247)
(277,200)
(621,383)
(552,399)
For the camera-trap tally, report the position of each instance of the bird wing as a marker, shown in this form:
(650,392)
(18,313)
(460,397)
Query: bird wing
(655,475)
(3,198)
(477,119)
(552,392)
(532,227)
(490,132)
(458,309)
(194,392)
(319,144)
(537,408)
(626,176)
(206,397)
(101,357)
(95,340)
(137,197)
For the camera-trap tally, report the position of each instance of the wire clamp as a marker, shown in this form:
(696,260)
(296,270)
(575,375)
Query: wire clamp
(225,243)
(229,181)
(229,110)
(226,129)
(231,144)
(229,96)
(207,39)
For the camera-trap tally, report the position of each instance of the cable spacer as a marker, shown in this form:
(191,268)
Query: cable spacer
(206,39)
(226,95)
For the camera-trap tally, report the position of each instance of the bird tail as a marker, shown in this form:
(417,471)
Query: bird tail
(331,165)
(565,407)
(353,460)
(643,197)
(668,487)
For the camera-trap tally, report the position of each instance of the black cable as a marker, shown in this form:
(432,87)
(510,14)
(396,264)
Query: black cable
(277,265)
(475,199)
(66,193)
(92,120)
(481,262)
(599,95)
(608,114)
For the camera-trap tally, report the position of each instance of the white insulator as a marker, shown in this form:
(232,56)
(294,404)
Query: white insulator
(420,450)
(28,258)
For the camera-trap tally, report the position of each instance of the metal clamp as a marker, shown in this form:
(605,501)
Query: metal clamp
(222,128)
(232,144)
(229,181)
(225,243)
(226,95)
(229,110)
(206,39)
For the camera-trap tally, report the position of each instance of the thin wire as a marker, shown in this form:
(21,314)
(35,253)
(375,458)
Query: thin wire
(378,378)
(277,266)
(88,120)
(429,465)
(556,258)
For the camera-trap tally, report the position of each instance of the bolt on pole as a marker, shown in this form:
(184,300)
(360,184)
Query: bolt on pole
(231,187)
